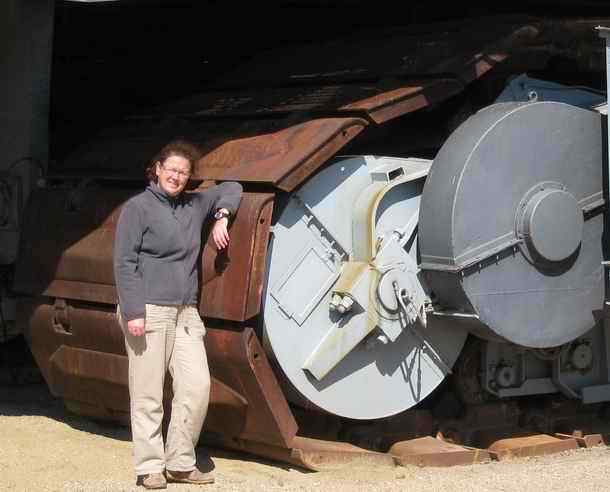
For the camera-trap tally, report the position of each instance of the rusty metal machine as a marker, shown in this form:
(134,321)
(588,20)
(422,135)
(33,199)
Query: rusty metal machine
(364,298)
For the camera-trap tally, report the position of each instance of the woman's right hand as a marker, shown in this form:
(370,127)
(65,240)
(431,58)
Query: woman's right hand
(136,327)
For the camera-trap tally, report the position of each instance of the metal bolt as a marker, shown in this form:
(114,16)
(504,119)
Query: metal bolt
(334,302)
(346,304)
(383,339)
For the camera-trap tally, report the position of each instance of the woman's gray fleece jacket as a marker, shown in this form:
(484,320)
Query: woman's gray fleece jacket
(157,245)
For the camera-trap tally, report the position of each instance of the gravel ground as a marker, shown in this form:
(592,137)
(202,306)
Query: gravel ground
(44,448)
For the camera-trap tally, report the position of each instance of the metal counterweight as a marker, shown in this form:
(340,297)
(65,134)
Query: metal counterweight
(511,223)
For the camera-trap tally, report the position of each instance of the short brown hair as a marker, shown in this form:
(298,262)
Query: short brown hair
(179,147)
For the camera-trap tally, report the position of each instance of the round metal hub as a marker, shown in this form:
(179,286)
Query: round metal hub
(552,224)
(389,370)
(506,376)
(502,227)
(582,356)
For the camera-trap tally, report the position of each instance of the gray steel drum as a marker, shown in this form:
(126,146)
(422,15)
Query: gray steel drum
(311,240)
(511,222)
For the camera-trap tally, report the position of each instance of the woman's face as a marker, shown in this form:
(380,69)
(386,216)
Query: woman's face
(173,174)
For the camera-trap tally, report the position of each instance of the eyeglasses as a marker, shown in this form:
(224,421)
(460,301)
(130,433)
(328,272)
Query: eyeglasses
(181,174)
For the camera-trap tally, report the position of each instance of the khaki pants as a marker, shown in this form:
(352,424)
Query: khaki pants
(173,341)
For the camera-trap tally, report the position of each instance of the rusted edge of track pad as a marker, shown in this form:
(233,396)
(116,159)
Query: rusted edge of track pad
(584,441)
(238,361)
(534,445)
(310,454)
(430,451)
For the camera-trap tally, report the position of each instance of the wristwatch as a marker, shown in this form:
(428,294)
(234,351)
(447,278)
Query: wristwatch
(221,212)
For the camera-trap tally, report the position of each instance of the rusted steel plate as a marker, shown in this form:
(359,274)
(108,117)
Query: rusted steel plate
(470,64)
(239,362)
(228,409)
(81,353)
(534,445)
(67,244)
(283,158)
(362,79)
(584,441)
(268,151)
(311,454)
(430,451)
(413,95)
(233,278)
(271,157)
(276,101)
(48,325)
(465,67)
(387,77)
(96,379)
(67,252)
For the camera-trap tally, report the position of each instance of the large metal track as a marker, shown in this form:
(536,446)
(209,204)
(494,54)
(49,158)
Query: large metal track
(272,140)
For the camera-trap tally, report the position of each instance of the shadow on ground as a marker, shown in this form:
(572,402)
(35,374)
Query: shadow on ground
(35,399)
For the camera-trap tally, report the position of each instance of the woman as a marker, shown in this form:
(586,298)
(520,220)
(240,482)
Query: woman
(156,252)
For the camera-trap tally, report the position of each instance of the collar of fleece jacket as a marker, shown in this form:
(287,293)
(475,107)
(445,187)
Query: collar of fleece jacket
(172,201)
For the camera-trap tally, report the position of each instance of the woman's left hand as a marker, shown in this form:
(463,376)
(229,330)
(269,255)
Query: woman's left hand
(220,234)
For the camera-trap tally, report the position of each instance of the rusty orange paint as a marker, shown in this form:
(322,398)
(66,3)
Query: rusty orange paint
(232,282)
(274,157)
